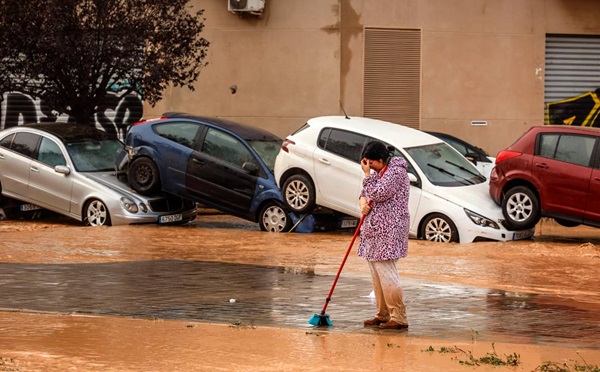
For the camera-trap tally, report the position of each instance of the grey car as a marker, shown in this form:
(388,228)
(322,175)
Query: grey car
(69,169)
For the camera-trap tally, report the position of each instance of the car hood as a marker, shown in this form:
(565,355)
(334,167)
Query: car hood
(475,198)
(111,181)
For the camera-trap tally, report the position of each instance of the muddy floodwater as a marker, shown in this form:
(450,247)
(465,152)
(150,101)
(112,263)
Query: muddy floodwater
(219,294)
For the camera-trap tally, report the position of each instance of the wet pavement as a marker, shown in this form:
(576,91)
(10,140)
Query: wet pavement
(287,296)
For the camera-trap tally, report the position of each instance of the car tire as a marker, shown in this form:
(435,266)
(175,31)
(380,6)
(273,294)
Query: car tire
(299,194)
(95,213)
(439,228)
(274,218)
(143,176)
(521,208)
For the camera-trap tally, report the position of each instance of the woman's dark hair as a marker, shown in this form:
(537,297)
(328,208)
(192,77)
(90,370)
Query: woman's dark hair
(376,150)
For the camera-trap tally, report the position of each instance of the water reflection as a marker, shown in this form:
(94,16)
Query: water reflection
(287,297)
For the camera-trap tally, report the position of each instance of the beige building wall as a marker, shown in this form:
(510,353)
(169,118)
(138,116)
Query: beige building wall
(482,60)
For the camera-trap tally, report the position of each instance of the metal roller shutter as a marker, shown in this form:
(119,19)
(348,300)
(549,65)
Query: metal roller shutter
(392,75)
(572,81)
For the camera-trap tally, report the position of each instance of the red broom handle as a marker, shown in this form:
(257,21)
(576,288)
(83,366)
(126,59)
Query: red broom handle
(362,218)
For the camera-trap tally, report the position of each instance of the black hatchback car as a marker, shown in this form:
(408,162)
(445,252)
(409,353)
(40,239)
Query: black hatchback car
(215,162)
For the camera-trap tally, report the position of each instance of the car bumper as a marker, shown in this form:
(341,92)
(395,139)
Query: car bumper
(481,233)
(172,218)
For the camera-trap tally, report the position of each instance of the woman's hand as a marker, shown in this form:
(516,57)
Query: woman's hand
(364,164)
(365,208)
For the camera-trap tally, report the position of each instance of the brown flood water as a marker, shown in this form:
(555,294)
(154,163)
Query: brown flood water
(158,298)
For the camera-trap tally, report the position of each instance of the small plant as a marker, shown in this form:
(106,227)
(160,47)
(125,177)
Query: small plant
(564,367)
(492,359)
(450,350)
(513,359)
(552,367)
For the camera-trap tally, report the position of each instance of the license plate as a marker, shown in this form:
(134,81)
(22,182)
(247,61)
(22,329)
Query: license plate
(29,207)
(349,223)
(526,234)
(170,218)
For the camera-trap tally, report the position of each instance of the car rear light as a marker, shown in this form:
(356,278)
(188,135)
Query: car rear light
(506,154)
(286,142)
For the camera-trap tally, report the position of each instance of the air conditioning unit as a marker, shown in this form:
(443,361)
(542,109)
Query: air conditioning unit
(250,6)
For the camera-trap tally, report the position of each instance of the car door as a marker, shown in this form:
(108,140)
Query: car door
(561,166)
(15,165)
(337,162)
(181,140)
(223,173)
(47,187)
(592,208)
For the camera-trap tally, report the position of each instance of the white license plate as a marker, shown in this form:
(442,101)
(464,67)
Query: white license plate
(29,207)
(523,234)
(170,218)
(349,223)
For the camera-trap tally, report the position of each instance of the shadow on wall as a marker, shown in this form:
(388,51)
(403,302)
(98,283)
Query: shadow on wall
(582,110)
(118,114)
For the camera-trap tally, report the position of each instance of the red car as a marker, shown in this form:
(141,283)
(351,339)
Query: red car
(551,171)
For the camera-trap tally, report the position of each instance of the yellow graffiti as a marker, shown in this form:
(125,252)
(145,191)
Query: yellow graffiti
(582,110)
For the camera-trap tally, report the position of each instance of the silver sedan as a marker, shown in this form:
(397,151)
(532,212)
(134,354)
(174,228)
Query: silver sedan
(68,169)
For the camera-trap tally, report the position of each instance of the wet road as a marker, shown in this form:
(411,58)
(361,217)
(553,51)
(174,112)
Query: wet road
(201,291)
(160,273)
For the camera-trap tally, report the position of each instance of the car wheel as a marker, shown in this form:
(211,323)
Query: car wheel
(96,214)
(439,228)
(273,218)
(299,194)
(521,208)
(143,176)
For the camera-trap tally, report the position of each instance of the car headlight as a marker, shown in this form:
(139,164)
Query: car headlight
(129,205)
(481,221)
(143,207)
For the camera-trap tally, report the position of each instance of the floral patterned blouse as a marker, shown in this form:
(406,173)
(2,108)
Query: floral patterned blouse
(384,232)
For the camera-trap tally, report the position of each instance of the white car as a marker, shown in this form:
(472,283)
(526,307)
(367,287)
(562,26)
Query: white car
(318,166)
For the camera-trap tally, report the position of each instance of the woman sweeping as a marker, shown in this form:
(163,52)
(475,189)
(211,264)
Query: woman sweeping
(384,233)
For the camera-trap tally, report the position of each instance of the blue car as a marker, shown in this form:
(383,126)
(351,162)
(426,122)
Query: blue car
(218,163)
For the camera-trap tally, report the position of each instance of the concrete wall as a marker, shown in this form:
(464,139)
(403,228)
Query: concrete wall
(481,60)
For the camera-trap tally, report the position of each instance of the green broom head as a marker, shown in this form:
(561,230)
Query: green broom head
(320,320)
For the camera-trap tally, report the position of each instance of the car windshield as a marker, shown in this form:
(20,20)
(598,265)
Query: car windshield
(267,150)
(94,156)
(444,166)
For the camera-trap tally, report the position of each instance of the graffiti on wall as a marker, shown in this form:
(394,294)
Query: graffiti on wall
(582,110)
(116,116)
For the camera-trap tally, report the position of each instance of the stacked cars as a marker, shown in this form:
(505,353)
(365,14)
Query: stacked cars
(449,202)
(68,168)
(215,162)
(169,164)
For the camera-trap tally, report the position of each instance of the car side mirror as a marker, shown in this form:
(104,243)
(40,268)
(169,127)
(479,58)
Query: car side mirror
(62,169)
(251,168)
(413,179)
